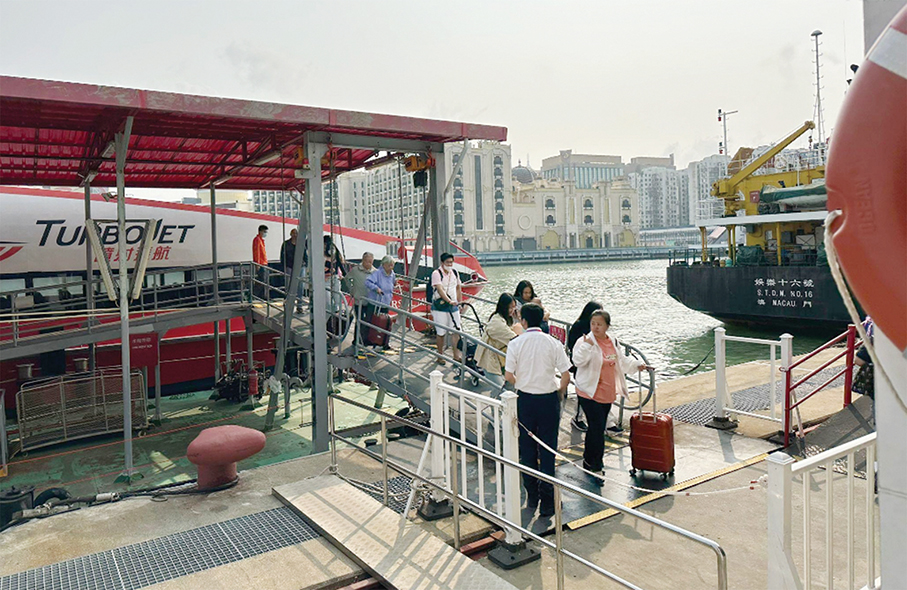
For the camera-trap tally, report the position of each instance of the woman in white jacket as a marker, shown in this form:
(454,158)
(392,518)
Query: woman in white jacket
(600,368)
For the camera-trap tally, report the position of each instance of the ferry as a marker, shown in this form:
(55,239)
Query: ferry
(779,277)
(43,245)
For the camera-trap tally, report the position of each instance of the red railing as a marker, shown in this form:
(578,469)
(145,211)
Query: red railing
(848,353)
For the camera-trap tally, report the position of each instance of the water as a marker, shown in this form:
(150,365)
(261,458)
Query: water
(673,337)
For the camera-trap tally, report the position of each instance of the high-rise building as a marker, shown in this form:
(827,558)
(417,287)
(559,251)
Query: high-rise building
(279,203)
(703,174)
(638,163)
(663,197)
(583,169)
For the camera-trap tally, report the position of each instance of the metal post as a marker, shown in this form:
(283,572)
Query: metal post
(229,341)
(454,473)
(157,383)
(786,361)
(320,367)
(782,573)
(510,433)
(439,185)
(3,448)
(122,145)
(214,245)
(331,429)
(384,456)
(721,420)
(559,537)
(848,365)
(437,425)
(704,245)
(216,351)
(437,248)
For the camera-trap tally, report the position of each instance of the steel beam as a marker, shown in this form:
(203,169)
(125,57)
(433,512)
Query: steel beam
(441,184)
(320,367)
(390,144)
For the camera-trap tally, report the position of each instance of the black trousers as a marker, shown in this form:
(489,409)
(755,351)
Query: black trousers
(365,312)
(540,414)
(596,416)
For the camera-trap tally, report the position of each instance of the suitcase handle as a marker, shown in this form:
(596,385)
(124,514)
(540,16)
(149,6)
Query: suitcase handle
(654,407)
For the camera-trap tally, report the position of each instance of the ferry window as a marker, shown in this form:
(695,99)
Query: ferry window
(12,284)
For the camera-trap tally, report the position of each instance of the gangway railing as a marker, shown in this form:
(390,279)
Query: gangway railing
(461,501)
(4,444)
(791,401)
(31,313)
(724,404)
(783,473)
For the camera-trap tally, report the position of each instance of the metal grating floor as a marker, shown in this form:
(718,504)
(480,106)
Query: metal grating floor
(181,554)
(753,399)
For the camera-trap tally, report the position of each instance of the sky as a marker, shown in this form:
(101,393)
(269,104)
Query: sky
(627,78)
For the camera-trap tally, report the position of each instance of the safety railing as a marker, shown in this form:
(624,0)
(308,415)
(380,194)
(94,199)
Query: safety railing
(783,473)
(455,410)
(724,404)
(65,408)
(462,501)
(31,314)
(851,344)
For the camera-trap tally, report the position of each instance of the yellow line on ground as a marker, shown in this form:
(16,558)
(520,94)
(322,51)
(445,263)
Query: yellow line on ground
(598,516)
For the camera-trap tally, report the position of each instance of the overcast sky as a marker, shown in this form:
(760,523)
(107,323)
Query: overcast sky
(625,78)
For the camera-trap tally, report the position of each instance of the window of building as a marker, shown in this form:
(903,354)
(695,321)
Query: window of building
(588,220)
(498,161)
(625,204)
(626,219)
(587,204)
(499,184)
(549,203)
(458,206)
(498,195)
(499,206)
(549,220)
(458,194)
(458,183)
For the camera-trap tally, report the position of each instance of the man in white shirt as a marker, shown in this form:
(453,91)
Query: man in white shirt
(445,282)
(533,359)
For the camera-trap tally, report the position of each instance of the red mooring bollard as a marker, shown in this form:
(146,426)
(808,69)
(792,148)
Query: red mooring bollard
(215,452)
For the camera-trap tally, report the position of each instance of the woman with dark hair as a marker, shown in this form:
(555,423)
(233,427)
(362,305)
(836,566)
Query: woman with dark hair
(600,377)
(525,293)
(501,329)
(334,270)
(579,329)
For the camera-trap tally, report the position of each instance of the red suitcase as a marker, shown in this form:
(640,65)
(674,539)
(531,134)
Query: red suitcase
(383,321)
(652,441)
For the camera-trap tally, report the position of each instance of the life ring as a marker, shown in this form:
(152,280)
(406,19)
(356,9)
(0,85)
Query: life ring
(867,182)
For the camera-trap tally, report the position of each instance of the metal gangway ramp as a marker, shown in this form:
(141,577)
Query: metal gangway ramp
(399,553)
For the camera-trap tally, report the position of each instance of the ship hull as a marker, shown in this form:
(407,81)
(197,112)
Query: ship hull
(788,298)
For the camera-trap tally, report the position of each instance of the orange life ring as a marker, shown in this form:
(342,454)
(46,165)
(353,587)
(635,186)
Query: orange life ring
(867,181)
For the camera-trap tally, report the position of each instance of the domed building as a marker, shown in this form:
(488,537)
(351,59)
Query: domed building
(523,174)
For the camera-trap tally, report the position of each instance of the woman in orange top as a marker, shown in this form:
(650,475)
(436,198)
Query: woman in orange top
(600,368)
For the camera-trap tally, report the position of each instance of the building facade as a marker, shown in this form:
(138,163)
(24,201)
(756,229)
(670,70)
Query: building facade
(550,214)
(583,169)
(279,203)
(479,200)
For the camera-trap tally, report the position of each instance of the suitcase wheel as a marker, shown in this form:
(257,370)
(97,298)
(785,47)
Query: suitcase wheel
(632,473)
(664,476)
(475,381)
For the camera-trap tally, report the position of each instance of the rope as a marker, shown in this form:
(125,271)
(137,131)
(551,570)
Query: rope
(841,283)
(751,486)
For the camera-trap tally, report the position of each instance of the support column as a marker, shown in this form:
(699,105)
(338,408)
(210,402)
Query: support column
(214,286)
(439,185)
(320,368)
(157,381)
(435,218)
(122,145)
(705,245)
(89,286)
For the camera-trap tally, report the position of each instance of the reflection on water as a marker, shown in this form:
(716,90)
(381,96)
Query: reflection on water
(673,337)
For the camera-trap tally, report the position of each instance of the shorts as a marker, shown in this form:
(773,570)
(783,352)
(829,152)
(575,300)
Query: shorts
(447,319)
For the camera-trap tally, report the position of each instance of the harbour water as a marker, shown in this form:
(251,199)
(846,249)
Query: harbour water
(673,337)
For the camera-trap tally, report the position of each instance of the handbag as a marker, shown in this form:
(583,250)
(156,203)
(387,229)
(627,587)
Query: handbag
(439,304)
(864,381)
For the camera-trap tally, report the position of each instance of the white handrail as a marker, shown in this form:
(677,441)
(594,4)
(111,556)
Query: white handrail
(782,470)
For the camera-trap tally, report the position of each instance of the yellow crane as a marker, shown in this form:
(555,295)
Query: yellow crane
(726,188)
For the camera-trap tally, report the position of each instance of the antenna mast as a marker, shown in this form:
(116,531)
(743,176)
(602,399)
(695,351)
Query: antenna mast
(820,123)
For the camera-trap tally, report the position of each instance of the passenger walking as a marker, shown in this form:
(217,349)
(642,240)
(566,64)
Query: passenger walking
(445,304)
(579,329)
(334,270)
(359,291)
(503,326)
(600,368)
(525,293)
(260,257)
(381,292)
(533,361)
(287,256)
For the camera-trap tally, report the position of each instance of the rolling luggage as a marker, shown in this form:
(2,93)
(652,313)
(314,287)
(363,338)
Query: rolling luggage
(652,441)
(377,337)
